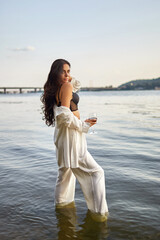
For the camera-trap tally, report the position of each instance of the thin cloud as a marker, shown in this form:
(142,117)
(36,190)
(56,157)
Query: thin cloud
(24,49)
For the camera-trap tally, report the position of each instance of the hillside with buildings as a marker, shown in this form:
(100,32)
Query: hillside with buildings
(144,84)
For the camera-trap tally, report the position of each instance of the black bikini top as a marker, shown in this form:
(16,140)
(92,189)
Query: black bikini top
(73,103)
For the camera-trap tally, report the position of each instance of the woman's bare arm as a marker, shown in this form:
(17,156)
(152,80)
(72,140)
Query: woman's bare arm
(66,94)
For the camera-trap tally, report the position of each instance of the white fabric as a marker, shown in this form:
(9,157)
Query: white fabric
(76,84)
(75,161)
(91,178)
(69,137)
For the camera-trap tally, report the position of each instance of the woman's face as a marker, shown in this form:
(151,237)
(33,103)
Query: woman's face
(65,74)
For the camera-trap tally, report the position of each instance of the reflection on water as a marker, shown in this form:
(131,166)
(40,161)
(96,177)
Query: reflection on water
(69,228)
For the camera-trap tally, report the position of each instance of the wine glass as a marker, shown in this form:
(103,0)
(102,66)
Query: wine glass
(93,116)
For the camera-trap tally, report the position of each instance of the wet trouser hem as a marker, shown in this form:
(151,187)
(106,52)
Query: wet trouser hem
(98,217)
(65,205)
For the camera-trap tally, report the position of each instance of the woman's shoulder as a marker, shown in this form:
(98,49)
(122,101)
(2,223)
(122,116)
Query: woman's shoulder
(67,86)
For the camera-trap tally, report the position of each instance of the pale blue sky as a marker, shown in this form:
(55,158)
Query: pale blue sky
(106,42)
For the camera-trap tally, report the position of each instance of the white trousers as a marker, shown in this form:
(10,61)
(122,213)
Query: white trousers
(92,181)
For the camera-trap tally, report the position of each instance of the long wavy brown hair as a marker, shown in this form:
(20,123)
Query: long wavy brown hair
(51,87)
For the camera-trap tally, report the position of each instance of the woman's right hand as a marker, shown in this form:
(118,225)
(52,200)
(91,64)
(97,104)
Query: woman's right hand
(91,121)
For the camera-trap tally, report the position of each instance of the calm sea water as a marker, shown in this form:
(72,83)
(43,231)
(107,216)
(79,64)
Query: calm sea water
(127,146)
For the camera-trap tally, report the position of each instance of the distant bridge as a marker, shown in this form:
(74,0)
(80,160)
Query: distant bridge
(39,89)
(35,89)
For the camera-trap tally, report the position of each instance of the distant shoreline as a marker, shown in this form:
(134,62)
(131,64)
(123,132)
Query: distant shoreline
(143,84)
(20,90)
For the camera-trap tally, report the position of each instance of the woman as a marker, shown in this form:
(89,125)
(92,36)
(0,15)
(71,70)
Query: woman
(60,107)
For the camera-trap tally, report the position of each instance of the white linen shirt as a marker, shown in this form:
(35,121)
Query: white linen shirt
(69,137)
